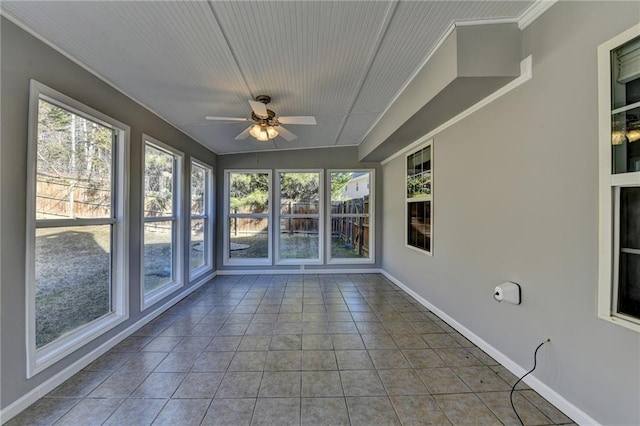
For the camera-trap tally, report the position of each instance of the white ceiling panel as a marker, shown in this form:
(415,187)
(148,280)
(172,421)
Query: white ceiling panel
(321,49)
(356,126)
(341,61)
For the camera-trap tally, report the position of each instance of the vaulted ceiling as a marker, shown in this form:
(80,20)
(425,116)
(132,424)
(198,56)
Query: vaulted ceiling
(343,62)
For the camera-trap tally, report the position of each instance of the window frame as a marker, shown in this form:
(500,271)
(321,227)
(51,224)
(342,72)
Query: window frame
(208,209)
(38,359)
(371,215)
(227,260)
(408,200)
(153,297)
(319,216)
(610,185)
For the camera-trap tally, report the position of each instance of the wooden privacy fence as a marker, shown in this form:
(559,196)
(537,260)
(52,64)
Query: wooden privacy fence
(353,230)
(77,199)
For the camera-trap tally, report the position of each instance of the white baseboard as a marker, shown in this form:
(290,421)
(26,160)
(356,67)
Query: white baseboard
(297,271)
(13,409)
(575,413)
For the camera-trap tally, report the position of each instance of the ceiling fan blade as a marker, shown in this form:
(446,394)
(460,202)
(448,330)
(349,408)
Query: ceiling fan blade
(244,134)
(307,120)
(210,117)
(259,109)
(286,134)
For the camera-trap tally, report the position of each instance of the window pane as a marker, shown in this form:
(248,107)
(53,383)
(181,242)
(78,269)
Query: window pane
(349,237)
(198,188)
(629,284)
(629,274)
(158,255)
(419,225)
(198,248)
(248,238)
(249,193)
(158,182)
(349,186)
(625,84)
(73,166)
(299,238)
(299,193)
(419,178)
(73,282)
(625,140)
(630,217)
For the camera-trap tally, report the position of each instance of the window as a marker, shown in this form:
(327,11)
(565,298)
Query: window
(247,235)
(300,217)
(619,100)
(76,226)
(419,211)
(200,232)
(350,224)
(161,248)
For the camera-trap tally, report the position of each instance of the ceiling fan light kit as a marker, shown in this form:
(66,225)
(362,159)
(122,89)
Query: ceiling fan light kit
(263,132)
(267,125)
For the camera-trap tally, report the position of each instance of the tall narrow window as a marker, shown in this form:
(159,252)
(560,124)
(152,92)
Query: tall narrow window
(351,207)
(161,254)
(76,262)
(300,217)
(418,199)
(200,232)
(619,99)
(247,237)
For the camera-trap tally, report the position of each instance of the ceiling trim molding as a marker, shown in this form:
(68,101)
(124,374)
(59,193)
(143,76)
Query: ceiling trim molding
(288,149)
(492,21)
(526,74)
(28,30)
(533,12)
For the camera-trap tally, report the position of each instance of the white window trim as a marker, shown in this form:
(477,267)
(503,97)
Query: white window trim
(207,216)
(40,359)
(609,188)
(226,259)
(371,215)
(148,300)
(319,216)
(425,198)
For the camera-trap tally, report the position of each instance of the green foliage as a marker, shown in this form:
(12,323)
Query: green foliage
(249,192)
(300,187)
(338,183)
(419,185)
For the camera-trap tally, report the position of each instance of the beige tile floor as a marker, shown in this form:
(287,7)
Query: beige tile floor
(293,349)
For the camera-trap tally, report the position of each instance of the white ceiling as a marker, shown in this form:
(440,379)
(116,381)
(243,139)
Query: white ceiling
(342,61)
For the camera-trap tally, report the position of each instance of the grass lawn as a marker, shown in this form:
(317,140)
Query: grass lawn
(72,285)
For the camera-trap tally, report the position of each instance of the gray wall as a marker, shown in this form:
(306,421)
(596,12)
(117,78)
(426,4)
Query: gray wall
(516,198)
(322,158)
(23,58)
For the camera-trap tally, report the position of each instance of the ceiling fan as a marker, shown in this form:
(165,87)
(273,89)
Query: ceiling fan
(267,125)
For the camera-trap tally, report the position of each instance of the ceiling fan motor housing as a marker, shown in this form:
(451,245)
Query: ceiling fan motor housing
(271,116)
(263,98)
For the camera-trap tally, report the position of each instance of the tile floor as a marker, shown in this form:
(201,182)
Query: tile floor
(293,349)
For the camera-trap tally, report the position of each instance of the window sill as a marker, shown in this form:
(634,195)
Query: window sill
(64,346)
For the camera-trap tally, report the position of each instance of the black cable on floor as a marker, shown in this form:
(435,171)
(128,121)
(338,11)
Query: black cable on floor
(513,388)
